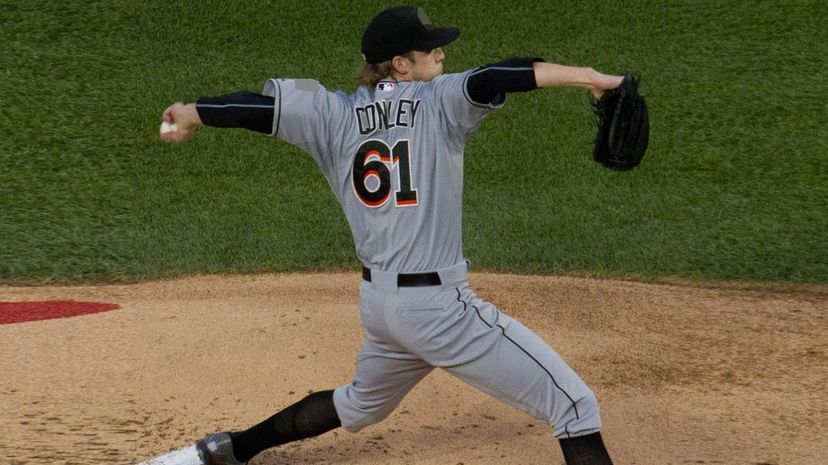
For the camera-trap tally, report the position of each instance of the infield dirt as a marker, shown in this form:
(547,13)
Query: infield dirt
(685,374)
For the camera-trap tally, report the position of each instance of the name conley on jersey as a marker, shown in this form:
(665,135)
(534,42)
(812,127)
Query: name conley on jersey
(386,114)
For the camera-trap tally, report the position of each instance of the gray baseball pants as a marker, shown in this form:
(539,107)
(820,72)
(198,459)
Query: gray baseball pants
(411,330)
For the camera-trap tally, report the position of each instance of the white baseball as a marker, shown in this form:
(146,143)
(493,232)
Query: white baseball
(167,127)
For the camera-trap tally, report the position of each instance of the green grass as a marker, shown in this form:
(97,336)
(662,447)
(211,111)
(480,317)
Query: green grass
(735,185)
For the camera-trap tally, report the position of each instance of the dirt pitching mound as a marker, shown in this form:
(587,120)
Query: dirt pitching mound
(684,374)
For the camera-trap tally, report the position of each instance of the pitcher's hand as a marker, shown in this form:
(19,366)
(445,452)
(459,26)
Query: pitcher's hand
(181,122)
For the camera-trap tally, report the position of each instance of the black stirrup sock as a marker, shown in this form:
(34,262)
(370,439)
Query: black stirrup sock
(585,450)
(311,416)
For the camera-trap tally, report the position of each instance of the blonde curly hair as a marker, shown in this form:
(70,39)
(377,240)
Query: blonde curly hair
(370,74)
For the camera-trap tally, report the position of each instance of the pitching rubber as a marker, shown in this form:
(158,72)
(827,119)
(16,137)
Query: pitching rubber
(186,456)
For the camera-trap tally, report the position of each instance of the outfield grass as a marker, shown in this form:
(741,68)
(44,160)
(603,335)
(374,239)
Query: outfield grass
(735,185)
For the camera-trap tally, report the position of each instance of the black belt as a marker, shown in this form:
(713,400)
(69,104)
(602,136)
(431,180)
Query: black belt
(409,279)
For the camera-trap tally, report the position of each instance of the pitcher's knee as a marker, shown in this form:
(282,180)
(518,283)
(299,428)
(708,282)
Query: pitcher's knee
(368,418)
(356,413)
(580,418)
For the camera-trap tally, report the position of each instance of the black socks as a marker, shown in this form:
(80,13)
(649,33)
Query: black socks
(315,415)
(311,416)
(585,450)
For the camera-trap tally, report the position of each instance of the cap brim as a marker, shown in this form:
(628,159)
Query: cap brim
(439,37)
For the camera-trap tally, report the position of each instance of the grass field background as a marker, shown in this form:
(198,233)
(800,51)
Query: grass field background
(735,186)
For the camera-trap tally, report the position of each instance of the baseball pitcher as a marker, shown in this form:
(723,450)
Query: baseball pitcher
(392,153)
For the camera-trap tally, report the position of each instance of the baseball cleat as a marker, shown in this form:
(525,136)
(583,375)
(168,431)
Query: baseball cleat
(215,449)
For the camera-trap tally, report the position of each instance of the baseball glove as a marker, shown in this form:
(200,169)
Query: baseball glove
(623,126)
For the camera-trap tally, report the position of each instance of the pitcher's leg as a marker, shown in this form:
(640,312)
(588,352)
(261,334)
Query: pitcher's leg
(382,380)
(518,367)
(510,362)
(380,383)
(310,417)
(585,450)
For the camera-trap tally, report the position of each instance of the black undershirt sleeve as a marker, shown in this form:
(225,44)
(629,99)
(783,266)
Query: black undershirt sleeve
(238,110)
(485,85)
(488,84)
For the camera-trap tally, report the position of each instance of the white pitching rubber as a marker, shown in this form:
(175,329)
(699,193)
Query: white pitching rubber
(186,456)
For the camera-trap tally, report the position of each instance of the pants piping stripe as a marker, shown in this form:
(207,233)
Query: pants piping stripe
(503,330)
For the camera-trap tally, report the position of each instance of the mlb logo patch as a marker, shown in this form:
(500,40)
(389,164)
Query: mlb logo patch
(385,86)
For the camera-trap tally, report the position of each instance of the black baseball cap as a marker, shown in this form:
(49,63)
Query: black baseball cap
(399,30)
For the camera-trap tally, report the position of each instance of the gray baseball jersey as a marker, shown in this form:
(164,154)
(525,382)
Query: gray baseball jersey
(394,159)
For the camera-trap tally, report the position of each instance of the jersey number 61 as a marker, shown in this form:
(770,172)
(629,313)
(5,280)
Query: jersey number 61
(375,159)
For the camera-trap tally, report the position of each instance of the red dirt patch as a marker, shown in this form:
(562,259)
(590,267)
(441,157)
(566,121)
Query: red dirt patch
(19,312)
